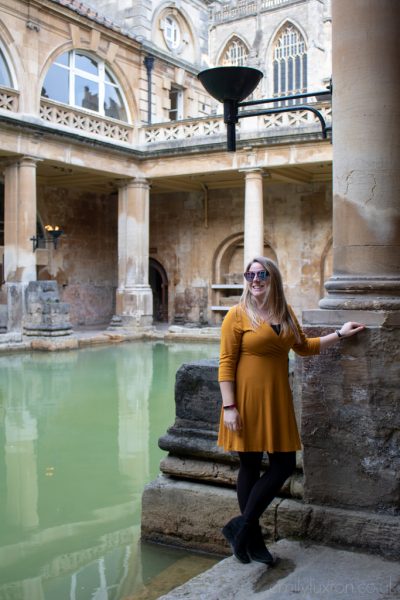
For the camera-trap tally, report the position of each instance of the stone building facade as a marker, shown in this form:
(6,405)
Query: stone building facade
(107,133)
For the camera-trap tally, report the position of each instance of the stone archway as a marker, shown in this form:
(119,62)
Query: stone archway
(159,285)
(227,270)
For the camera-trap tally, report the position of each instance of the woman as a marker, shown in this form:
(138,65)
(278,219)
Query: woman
(258,414)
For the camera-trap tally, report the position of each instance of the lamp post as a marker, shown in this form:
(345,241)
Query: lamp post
(231,85)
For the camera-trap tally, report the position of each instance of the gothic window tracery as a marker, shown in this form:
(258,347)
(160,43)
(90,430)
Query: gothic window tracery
(235,53)
(83,81)
(289,62)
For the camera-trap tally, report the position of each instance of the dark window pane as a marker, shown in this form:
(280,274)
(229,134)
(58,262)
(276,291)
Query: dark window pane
(290,75)
(283,76)
(56,84)
(86,64)
(5,77)
(108,78)
(305,71)
(276,77)
(113,105)
(298,73)
(86,93)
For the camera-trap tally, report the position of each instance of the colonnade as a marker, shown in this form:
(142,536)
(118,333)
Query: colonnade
(134,301)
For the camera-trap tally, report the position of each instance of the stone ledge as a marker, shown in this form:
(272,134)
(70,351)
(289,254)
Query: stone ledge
(191,515)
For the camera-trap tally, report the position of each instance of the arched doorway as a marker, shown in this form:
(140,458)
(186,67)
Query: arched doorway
(159,286)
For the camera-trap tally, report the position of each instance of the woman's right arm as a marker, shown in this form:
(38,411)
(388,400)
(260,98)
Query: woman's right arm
(232,418)
(231,338)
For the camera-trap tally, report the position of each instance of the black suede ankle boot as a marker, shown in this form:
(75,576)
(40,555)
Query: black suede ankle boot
(256,547)
(236,533)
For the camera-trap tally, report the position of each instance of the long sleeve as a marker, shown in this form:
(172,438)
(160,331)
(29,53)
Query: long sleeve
(307,346)
(231,339)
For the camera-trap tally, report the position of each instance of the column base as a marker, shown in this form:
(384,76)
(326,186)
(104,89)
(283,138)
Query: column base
(134,308)
(361,293)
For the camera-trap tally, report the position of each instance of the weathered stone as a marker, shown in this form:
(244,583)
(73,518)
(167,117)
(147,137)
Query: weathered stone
(191,515)
(45,314)
(350,421)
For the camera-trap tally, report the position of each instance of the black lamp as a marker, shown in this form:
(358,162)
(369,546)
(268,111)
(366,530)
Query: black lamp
(231,85)
(54,232)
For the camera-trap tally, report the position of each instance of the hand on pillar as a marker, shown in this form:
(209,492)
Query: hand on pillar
(350,328)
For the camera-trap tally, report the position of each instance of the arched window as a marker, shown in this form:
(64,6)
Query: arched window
(80,80)
(5,75)
(235,54)
(289,62)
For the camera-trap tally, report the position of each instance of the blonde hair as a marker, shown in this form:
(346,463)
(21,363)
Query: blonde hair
(275,299)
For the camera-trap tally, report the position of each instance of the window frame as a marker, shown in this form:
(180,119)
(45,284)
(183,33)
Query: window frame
(289,62)
(179,103)
(100,79)
(8,67)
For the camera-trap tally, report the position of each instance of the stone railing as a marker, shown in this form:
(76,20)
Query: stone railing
(183,130)
(9,99)
(246,8)
(206,130)
(67,116)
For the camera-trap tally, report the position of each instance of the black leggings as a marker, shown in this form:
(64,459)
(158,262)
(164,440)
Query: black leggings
(255,493)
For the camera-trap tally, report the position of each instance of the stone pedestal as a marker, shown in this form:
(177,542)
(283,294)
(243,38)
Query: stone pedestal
(350,425)
(45,315)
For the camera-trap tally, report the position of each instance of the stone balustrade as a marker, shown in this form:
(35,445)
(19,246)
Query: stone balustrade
(246,8)
(9,99)
(207,129)
(93,124)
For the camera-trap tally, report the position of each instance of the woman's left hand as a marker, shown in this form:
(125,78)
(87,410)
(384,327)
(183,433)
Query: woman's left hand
(350,328)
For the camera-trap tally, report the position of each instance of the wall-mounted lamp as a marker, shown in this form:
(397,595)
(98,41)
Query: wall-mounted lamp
(54,232)
(231,85)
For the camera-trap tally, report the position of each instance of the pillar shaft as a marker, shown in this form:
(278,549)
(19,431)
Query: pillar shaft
(253,216)
(366,156)
(20,220)
(134,296)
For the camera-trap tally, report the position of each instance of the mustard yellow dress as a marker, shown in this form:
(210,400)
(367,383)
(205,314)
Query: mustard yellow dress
(257,361)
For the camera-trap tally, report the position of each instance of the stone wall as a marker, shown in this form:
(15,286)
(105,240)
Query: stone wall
(297,227)
(85,262)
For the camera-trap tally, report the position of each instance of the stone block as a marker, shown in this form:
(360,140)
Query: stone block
(45,315)
(191,515)
(350,396)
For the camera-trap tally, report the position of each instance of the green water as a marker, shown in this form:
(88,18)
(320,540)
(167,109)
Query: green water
(78,443)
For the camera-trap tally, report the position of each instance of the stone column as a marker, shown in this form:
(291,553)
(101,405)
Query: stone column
(20,220)
(350,393)
(366,156)
(134,295)
(253,215)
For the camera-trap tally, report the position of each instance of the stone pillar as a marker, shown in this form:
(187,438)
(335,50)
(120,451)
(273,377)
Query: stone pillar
(134,295)
(253,215)
(366,156)
(350,393)
(20,220)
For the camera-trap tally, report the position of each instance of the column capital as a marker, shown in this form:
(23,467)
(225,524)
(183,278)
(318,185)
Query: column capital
(136,182)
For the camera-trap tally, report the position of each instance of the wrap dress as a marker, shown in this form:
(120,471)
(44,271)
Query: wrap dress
(257,361)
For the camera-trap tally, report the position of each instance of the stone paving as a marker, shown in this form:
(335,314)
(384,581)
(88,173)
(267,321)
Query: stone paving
(303,572)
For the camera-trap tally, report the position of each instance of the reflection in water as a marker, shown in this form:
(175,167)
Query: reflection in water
(78,442)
